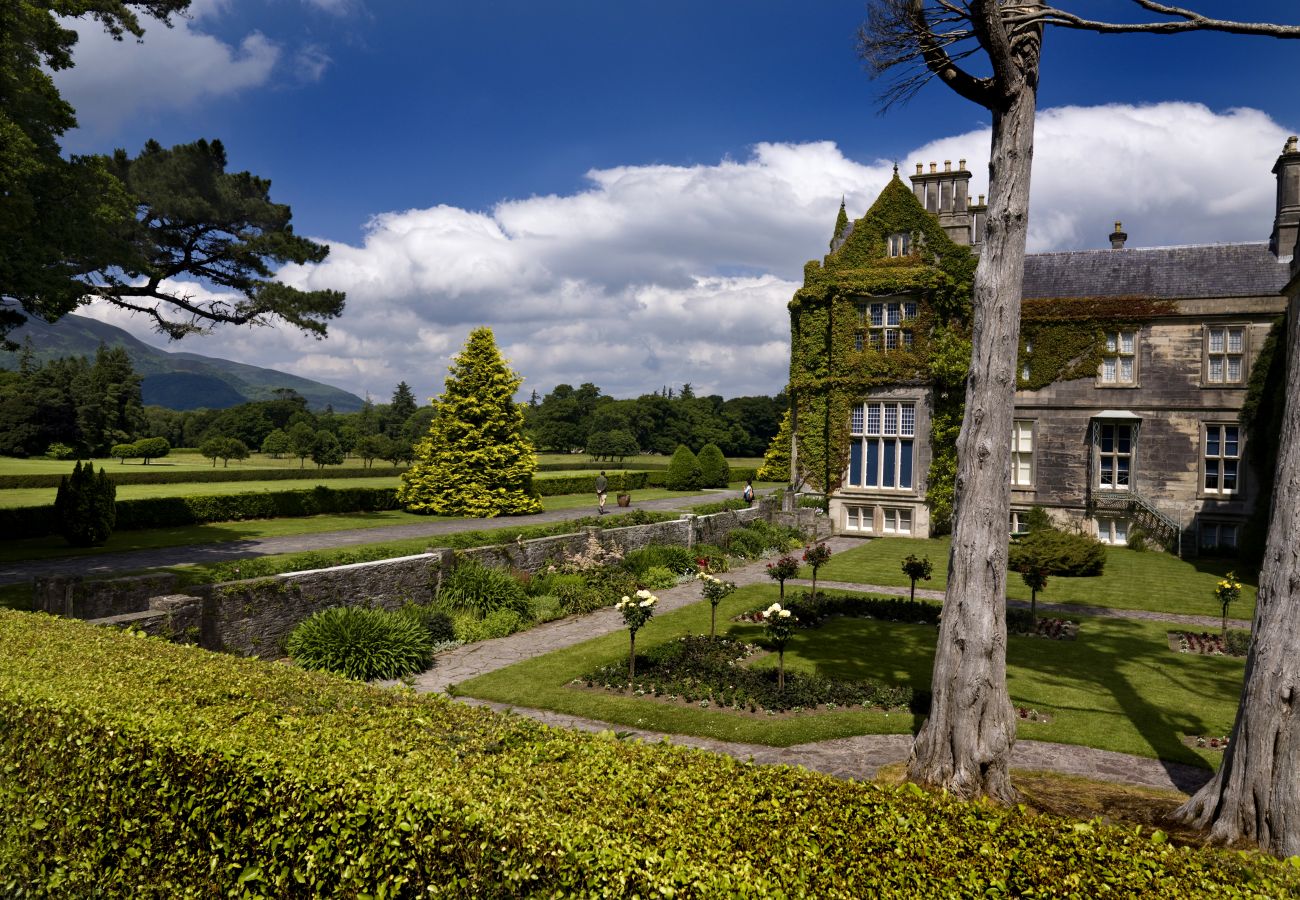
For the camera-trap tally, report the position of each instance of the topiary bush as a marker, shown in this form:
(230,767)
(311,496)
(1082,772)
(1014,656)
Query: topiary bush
(473,587)
(683,471)
(714,471)
(361,643)
(85,506)
(1058,553)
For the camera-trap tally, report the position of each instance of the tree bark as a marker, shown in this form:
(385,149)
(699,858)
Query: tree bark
(1255,796)
(965,745)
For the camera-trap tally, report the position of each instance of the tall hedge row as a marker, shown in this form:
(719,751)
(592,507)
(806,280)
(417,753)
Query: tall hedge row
(135,768)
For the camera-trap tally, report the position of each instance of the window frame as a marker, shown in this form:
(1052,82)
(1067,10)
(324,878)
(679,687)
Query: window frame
(1016,452)
(1221,459)
(886,324)
(871,423)
(1109,535)
(1208,355)
(1115,455)
(1118,356)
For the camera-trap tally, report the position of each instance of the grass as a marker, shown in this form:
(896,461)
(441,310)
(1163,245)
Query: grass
(631,462)
(45,496)
(175,461)
(1117,688)
(1151,581)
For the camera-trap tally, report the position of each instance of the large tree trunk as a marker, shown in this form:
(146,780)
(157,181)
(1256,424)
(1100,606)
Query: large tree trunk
(1255,796)
(965,745)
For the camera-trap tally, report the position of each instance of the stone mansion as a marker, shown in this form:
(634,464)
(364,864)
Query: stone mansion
(1134,366)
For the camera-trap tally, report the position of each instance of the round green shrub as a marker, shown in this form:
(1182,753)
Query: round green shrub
(714,471)
(361,643)
(1058,553)
(683,471)
(680,560)
(747,542)
(433,619)
(497,624)
(657,578)
(546,608)
(473,587)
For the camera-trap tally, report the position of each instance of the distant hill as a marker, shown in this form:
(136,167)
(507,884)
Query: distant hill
(173,380)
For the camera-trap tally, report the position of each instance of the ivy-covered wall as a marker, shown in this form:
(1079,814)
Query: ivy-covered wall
(1062,339)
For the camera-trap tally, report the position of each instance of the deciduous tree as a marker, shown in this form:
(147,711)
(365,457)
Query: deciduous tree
(965,745)
(475,460)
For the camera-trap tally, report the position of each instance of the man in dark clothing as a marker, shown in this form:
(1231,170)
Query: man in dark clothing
(602,483)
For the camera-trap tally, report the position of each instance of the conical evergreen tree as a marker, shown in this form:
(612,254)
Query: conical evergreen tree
(776,462)
(475,460)
(841,222)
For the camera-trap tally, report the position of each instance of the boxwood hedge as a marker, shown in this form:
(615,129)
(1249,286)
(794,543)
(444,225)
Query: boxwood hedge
(135,768)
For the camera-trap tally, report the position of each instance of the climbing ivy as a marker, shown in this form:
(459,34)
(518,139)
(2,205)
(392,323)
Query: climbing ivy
(1068,334)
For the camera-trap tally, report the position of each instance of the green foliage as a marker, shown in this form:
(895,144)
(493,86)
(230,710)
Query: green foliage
(1058,553)
(917,570)
(197,476)
(316,786)
(473,587)
(683,471)
(84,507)
(475,460)
(326,450)
(1037,519)
(435,620)
(361,643)
(677,559)
(497,624)
(714,471)
(158,447)
(276,444)
(1068,335)
(776,461)
(57,450)
(658,578)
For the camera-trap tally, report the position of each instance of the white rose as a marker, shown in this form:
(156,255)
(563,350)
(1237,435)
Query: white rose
(647,603)
(785,613)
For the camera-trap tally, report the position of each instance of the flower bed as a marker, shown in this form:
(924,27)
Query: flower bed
(1031,715)
(1206,742)
(1052,629)
(1207,644)
(711,673)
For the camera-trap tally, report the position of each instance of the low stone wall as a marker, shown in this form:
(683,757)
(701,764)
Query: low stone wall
(70,596)
(255,617)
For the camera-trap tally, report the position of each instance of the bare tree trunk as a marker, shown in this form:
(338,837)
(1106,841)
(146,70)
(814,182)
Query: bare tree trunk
(1256,796)
(965,745)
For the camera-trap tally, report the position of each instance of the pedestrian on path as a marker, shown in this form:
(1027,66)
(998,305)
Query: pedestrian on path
(749,492)
(602,484)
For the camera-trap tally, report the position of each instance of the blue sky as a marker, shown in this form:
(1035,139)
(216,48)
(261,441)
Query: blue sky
(627,191)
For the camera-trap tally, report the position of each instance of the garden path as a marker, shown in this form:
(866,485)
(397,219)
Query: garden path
(104,565)
(854,757)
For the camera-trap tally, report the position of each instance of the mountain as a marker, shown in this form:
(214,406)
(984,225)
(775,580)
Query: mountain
(174,380)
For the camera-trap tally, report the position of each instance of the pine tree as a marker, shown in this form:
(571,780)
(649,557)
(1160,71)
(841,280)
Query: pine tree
(85,506)
(776,462)
(401,408)
(475,460)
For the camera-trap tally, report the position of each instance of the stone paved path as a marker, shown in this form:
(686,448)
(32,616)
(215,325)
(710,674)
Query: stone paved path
(854,757)
(108,564)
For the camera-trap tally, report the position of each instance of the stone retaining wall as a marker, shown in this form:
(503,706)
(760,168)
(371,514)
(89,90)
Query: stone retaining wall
(254,617)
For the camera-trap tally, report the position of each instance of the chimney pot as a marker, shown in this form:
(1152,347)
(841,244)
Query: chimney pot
(934,167)
(1290,144)
(981,199)
(1118,237)
(947,165)
(920,167)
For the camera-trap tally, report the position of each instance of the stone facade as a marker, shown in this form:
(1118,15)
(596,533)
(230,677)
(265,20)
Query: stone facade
(1152,441)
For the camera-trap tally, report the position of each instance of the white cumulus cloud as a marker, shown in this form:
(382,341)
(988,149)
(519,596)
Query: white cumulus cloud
(662,274)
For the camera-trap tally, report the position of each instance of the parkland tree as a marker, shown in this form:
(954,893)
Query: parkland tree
(965,745)
(475,460)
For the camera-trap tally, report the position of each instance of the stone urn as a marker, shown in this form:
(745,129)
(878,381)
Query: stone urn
(624,499)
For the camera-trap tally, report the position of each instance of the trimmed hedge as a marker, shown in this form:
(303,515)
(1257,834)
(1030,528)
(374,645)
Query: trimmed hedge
(121,475)
(136,768)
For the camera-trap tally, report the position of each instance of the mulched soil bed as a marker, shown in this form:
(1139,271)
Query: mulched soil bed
(1205,644)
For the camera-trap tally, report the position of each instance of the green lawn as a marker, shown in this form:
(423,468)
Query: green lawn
(1157,582)
(174,461)
(45,496)
(1117,688)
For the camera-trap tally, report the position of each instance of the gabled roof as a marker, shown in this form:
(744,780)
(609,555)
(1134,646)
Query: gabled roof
(1206,270)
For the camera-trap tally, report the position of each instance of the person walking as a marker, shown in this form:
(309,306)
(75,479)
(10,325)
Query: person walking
(602,484)
(749,492)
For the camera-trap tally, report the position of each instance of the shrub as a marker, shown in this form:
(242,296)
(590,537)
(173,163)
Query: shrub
(1058,553)
(59,451)
(546,608)
(680,560)
(85,506)
(730,505)
(747,543)
(361,643)
(714,471)
(683,470)
(434,620)
(657,578)
(714,557)
(473,587)
(1037,519)
(1236,643)
(497,624)
(1137,539)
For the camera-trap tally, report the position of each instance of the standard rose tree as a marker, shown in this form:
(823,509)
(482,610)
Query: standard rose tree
(636,611)
(783,568)
(779,623)
(715,590)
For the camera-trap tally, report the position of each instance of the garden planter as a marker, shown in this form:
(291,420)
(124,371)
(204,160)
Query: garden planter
(624,499)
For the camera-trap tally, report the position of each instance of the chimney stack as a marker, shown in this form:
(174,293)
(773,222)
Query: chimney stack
(1286,221)
(1118,237)
(945,196)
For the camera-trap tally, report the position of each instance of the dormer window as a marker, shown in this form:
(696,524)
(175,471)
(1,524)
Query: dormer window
(900,244)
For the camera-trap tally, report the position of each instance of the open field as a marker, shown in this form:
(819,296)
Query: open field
(1118,687)
(1157,582)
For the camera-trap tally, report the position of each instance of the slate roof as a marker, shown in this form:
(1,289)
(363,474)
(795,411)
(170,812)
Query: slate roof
(1207,270)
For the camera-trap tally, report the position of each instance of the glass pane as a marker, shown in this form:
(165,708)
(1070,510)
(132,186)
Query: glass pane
(1111,344)
(877,314)
(1212,441)
(1108,439)
(855,420)
(1230,475)
(1234,369)
(1216,340)
(855,464)
(907,338)
(873,340)
(905,464)
(1216,370)
(1228,535)
(1126,341)
(908,424)
(1124,438)
(891,339)
(1023,469)
(1212,475)
(891,418)
(1121,471)
(873,463)
(857,341)
(1234,340)
(862,313)
(1209,535)
(1108,370)
(1107,475)
(1121,531)
(1126,369)
(892,312)
(1024,372)
(909,310)
(904,521)
(1230,440)
(887,470)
